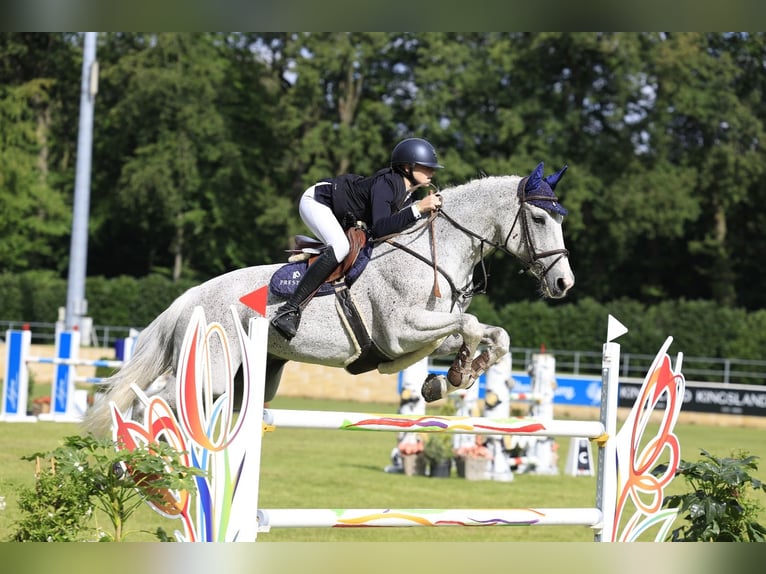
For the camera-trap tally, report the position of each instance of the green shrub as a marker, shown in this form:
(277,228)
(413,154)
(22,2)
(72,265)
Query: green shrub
(56,509)
(12,300)
(750,340)
(718,508)
(87,475)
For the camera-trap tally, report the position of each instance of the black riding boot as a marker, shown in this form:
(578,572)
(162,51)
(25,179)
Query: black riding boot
(288,316)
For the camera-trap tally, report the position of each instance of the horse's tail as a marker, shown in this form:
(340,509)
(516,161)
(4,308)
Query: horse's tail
(152,357)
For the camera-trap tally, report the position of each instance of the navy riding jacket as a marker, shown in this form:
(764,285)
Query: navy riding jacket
(380,200)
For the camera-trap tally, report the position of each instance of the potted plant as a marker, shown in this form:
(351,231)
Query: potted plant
(438,453)
(439,447)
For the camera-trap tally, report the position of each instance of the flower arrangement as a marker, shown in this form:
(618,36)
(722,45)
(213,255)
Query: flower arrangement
(473,461)
(473,451)
(411,449)
(41,405)
(411,446)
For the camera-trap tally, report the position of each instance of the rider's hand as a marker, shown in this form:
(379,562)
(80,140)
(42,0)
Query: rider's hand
(429,203)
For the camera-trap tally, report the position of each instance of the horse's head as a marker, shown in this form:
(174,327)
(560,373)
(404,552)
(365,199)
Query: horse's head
(541,217)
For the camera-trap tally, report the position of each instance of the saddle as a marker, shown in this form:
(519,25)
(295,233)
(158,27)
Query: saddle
(308,248)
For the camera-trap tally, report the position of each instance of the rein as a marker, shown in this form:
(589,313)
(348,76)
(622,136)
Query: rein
(531,264)
(456,293)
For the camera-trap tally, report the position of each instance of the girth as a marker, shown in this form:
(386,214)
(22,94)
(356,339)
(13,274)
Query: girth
(368,354)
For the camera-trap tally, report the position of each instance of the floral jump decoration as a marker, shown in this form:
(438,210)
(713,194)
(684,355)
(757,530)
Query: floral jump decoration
(639,453)
(206,431)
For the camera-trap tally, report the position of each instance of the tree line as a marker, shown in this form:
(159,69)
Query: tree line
(203,143)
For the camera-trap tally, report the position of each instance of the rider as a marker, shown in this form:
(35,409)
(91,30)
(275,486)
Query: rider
(382,201)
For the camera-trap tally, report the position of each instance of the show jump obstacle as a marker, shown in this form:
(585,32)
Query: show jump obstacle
(65,406)
(225,506)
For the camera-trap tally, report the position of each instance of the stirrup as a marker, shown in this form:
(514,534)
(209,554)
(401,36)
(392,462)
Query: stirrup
(286,321)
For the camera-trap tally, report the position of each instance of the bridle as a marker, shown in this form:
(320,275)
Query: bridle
(533,264)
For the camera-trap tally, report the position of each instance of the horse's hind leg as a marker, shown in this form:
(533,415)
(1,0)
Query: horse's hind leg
(274,368)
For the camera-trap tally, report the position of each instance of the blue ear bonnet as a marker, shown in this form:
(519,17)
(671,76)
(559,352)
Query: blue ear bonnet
(538,189)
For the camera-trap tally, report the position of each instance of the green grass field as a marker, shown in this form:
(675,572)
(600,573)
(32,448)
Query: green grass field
(334,469)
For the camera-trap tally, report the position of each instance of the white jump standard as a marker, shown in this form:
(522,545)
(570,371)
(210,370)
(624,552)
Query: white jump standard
(67,403)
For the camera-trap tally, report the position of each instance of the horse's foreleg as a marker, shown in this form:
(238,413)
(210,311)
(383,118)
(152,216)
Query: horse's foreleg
(429,330)
(465,369)
(461,374)
(449,346)
(493,336)
(464,372)
(498,344)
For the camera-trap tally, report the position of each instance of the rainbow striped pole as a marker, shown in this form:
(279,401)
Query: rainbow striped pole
(351,421)
(329,518)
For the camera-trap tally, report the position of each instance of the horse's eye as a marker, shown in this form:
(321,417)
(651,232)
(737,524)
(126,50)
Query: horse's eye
(538,219)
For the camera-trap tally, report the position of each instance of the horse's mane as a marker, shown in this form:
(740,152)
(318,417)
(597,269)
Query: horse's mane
(482,178)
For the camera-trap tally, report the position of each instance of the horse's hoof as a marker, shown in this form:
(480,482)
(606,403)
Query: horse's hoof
(434,388)
(460,378)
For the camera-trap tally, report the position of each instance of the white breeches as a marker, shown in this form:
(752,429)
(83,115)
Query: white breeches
(322,222)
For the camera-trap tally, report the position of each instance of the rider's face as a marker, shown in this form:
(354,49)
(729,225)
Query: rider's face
(422,174)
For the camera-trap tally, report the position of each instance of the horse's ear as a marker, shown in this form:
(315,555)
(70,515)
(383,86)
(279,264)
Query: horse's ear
(535,179)
(482,174)
(553,179)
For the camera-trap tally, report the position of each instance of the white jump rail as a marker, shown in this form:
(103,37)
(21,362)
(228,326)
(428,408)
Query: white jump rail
(353,421)
(349,421)
(75,362)
(326,518)
(527,397)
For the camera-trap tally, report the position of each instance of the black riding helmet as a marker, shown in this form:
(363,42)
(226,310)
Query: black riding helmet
(414,151)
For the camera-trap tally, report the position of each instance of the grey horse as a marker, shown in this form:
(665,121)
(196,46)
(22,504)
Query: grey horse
(411,298)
